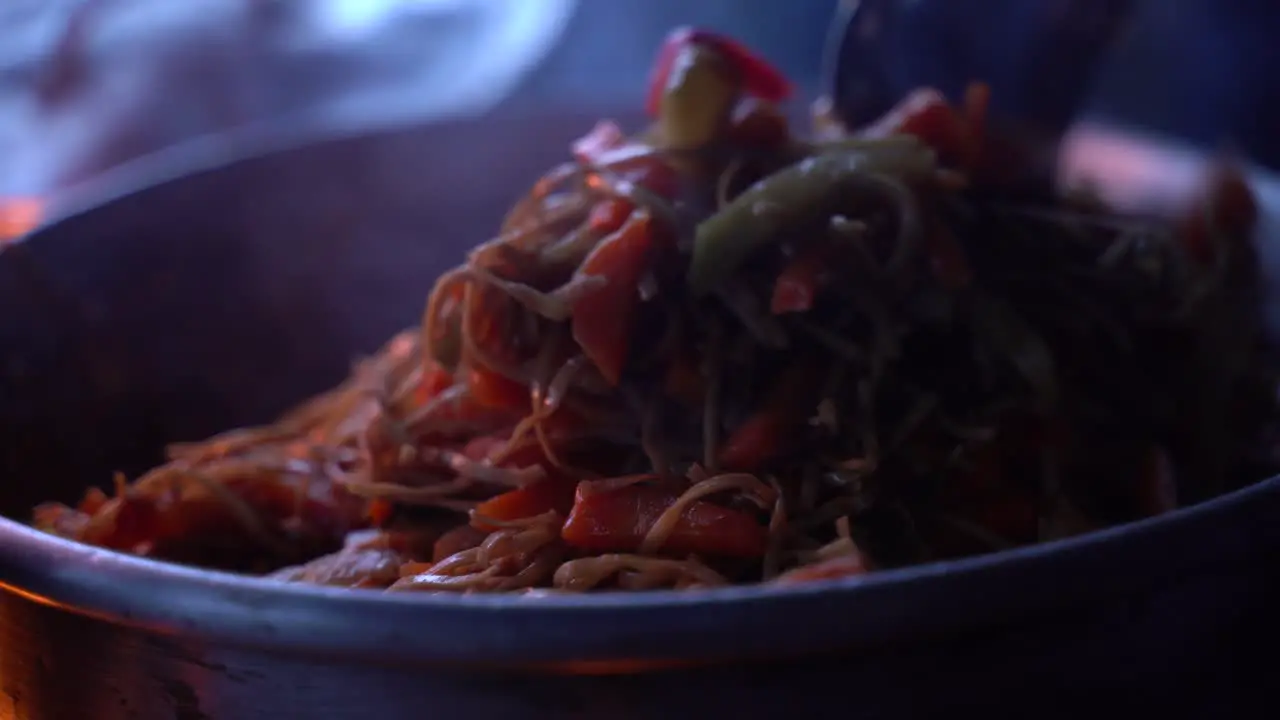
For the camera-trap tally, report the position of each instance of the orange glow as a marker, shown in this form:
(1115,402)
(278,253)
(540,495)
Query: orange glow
(34,597)
(19,216)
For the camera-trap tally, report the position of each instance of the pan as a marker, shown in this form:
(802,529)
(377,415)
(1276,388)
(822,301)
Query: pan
(213,287)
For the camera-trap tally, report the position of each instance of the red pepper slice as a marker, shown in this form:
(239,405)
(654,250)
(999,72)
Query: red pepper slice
(833,569)
(456,413)
(602,319)
(759,77)
(552,493)
(926,114)
(608,216)
(797,285)
(1009,515)
(771,430)
(617,521)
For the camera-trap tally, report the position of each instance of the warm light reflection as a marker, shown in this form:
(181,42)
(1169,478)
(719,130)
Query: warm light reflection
(33,597)
(19,216)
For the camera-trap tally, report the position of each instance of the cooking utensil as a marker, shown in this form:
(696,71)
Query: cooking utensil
(167,306)
(1039,59)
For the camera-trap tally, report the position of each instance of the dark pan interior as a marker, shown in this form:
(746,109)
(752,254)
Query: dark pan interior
(224,297)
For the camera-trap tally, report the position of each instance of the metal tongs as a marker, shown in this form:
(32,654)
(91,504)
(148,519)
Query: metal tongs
(1039,58)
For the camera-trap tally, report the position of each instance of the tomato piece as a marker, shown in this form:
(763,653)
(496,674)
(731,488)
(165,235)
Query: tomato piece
(494,390)
(602,319)
(617,521)
(759,77)
(493,321)
(552,493)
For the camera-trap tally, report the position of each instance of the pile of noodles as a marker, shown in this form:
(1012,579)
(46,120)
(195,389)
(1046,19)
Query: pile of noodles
(717,352)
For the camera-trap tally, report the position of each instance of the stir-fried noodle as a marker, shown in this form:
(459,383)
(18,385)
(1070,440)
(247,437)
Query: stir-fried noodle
(717,352)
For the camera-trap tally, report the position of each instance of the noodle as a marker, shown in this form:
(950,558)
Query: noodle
(749,485)
(715,352)
(777,529)
(646,573)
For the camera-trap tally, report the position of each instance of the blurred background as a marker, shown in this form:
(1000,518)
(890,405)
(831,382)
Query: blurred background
(86,85)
